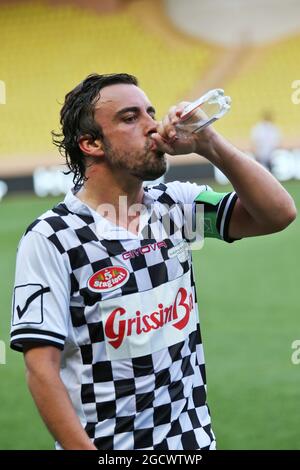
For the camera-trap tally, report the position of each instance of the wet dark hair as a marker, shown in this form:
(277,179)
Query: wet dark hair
(77,119)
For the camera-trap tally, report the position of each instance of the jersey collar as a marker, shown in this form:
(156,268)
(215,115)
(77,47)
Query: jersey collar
(104,228)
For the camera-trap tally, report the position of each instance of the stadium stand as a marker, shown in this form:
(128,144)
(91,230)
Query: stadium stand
(264,81)
(48,47)
(46,50)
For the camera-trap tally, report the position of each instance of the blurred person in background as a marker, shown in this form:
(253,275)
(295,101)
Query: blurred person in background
(105,308)
(265,138)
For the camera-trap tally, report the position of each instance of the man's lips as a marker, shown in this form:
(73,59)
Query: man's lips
(153,145)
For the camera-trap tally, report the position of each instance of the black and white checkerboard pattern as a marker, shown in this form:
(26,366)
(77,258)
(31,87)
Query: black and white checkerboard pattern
(156,401)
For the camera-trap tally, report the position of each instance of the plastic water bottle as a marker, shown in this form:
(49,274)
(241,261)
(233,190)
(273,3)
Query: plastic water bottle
(203,112)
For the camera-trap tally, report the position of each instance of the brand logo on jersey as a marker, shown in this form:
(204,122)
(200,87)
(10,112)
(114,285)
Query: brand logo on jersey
(28,303)
(177,314)
(181,251)
(142,250)
(108,279)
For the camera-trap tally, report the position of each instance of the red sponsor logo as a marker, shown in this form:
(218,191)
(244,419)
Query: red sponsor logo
(108,279)
(117,327)
(144,249)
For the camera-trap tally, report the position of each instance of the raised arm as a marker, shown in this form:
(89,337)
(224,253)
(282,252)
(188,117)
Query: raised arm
(263,205)
(52,398)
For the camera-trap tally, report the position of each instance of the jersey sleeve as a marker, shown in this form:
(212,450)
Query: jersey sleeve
(40,306)
(217,213)
(207,213)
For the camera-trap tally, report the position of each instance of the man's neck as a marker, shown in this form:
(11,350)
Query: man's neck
(112,196)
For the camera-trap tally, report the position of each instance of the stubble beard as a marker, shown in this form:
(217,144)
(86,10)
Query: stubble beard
(147,165)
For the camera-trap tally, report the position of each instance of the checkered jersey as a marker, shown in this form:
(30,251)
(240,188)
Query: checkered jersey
(123,310)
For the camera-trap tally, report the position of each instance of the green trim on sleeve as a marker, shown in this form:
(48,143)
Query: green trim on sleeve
(210,197)
(211,201)
(217,213)
(210,225)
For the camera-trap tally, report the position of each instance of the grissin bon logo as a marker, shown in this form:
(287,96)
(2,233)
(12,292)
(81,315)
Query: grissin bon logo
(108,279)
(178,314)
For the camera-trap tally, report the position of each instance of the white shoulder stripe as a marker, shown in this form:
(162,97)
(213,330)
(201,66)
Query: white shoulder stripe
(223,220)
(33,336)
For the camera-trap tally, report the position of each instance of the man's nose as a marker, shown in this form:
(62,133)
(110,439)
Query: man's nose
(151,126)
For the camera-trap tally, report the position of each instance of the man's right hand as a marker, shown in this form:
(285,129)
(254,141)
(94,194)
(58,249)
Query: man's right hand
(174,141)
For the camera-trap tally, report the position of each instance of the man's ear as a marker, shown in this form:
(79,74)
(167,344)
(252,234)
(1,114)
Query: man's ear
(90,147)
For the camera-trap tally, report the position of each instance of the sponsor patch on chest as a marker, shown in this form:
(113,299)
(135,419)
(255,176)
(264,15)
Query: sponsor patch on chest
(142,323)
(108,279)
(181,251)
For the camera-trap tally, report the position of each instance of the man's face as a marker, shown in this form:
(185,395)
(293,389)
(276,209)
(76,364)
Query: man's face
(127,120)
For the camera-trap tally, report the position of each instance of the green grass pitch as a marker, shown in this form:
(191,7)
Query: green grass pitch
(248,295)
